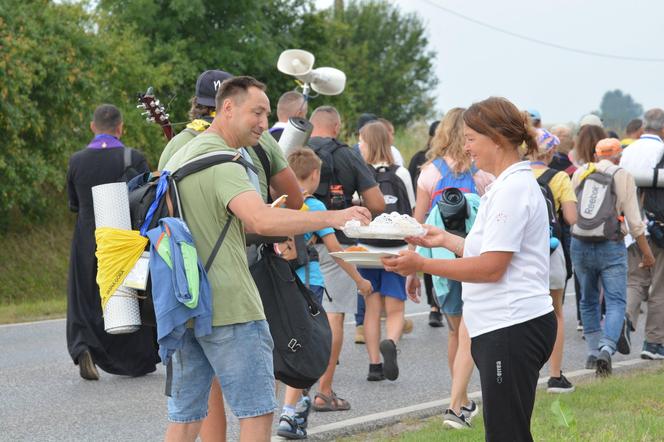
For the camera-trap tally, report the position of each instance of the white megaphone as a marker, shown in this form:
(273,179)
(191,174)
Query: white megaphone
(327,81)
(295,62)
(299,63)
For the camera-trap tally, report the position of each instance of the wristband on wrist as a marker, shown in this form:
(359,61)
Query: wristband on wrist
(457,249)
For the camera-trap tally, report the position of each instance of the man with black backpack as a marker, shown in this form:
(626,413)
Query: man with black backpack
(272,172)
(222,199)
(644,157)
(343,173)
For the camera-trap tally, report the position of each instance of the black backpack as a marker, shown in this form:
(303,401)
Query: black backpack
(329,187)
(396,199)
(555,227)
(298,324)
(653,198)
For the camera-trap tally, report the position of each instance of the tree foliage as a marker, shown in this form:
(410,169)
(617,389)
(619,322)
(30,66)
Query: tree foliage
(384,55)
(59,60)
(617,109)
(55,67)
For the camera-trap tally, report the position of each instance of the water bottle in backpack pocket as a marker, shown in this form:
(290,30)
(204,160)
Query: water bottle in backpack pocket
(597,218)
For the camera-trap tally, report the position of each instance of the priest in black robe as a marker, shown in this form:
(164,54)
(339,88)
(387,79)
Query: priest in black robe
(103,161)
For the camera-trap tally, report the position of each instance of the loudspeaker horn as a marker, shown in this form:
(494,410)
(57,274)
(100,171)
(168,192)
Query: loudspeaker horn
(296,62)
(327,81)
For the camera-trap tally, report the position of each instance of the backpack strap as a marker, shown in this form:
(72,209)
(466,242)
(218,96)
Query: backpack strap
(265,162)
(126,163)
(198,164)
(547,176)
(218,244)
(127,158)
(208,160)
(442,166)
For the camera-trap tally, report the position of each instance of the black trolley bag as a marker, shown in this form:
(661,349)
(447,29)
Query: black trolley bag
(298,324)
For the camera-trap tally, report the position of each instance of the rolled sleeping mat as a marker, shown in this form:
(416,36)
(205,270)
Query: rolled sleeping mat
(111,208)
(648,178)
(296,134)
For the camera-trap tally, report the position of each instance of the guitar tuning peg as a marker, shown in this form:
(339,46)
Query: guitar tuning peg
(140,106)
(145,113)
(157,102)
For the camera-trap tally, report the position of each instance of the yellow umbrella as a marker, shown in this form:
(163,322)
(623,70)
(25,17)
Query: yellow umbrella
(117,253)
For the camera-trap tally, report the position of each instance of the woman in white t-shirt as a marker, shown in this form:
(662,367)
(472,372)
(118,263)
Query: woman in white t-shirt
(389,288)
(449,165)
(505,269)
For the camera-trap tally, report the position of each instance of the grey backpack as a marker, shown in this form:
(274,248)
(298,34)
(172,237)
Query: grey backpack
(596,208)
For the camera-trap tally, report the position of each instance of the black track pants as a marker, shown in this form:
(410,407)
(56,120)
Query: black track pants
(509,361)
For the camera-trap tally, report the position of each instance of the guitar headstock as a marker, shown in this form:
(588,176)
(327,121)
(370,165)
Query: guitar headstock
(155,112)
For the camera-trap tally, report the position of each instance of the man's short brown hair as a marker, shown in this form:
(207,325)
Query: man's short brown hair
(236,87)
(303,161)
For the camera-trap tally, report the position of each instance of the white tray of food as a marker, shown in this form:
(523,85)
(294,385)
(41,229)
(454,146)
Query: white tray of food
(363,258)
(385,226)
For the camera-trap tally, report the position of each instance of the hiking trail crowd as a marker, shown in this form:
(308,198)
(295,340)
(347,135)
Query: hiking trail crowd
(513,212)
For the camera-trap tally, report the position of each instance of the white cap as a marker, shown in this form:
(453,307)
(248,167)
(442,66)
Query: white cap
(591,120)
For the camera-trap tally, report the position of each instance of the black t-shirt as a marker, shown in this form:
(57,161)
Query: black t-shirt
(351,170)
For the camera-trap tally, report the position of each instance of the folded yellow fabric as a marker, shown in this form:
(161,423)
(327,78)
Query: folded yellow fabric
(117,252)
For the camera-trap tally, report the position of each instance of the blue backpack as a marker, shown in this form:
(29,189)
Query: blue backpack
(463,181)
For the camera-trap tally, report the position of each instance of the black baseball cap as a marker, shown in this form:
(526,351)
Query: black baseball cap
(364,119)
(207,86)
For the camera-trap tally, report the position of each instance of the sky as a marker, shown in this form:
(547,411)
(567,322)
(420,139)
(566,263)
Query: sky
(474,62)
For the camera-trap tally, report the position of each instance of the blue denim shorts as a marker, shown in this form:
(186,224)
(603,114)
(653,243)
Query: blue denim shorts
(387,283)
(240,355)
(452,305)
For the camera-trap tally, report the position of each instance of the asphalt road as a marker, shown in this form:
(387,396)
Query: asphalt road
(42,398)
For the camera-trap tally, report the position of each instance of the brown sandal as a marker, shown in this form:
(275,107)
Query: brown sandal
(331,403)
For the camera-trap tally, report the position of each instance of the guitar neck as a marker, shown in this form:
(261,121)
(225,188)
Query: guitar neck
(155,113)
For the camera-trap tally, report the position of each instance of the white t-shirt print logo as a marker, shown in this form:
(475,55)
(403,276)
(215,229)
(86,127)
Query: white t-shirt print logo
(501,217)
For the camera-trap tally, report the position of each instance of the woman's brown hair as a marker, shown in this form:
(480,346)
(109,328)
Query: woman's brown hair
(586,141)
(500,120)
(377,139)
(448,141)
(197,111)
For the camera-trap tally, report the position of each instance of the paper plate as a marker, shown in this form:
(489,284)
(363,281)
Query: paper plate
(369,232)
(366,260)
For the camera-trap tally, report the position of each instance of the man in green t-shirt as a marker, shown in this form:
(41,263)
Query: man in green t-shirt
(282,180)
(239,350)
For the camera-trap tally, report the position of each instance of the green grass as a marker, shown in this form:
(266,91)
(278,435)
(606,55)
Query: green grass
(627,407)
(34,260)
